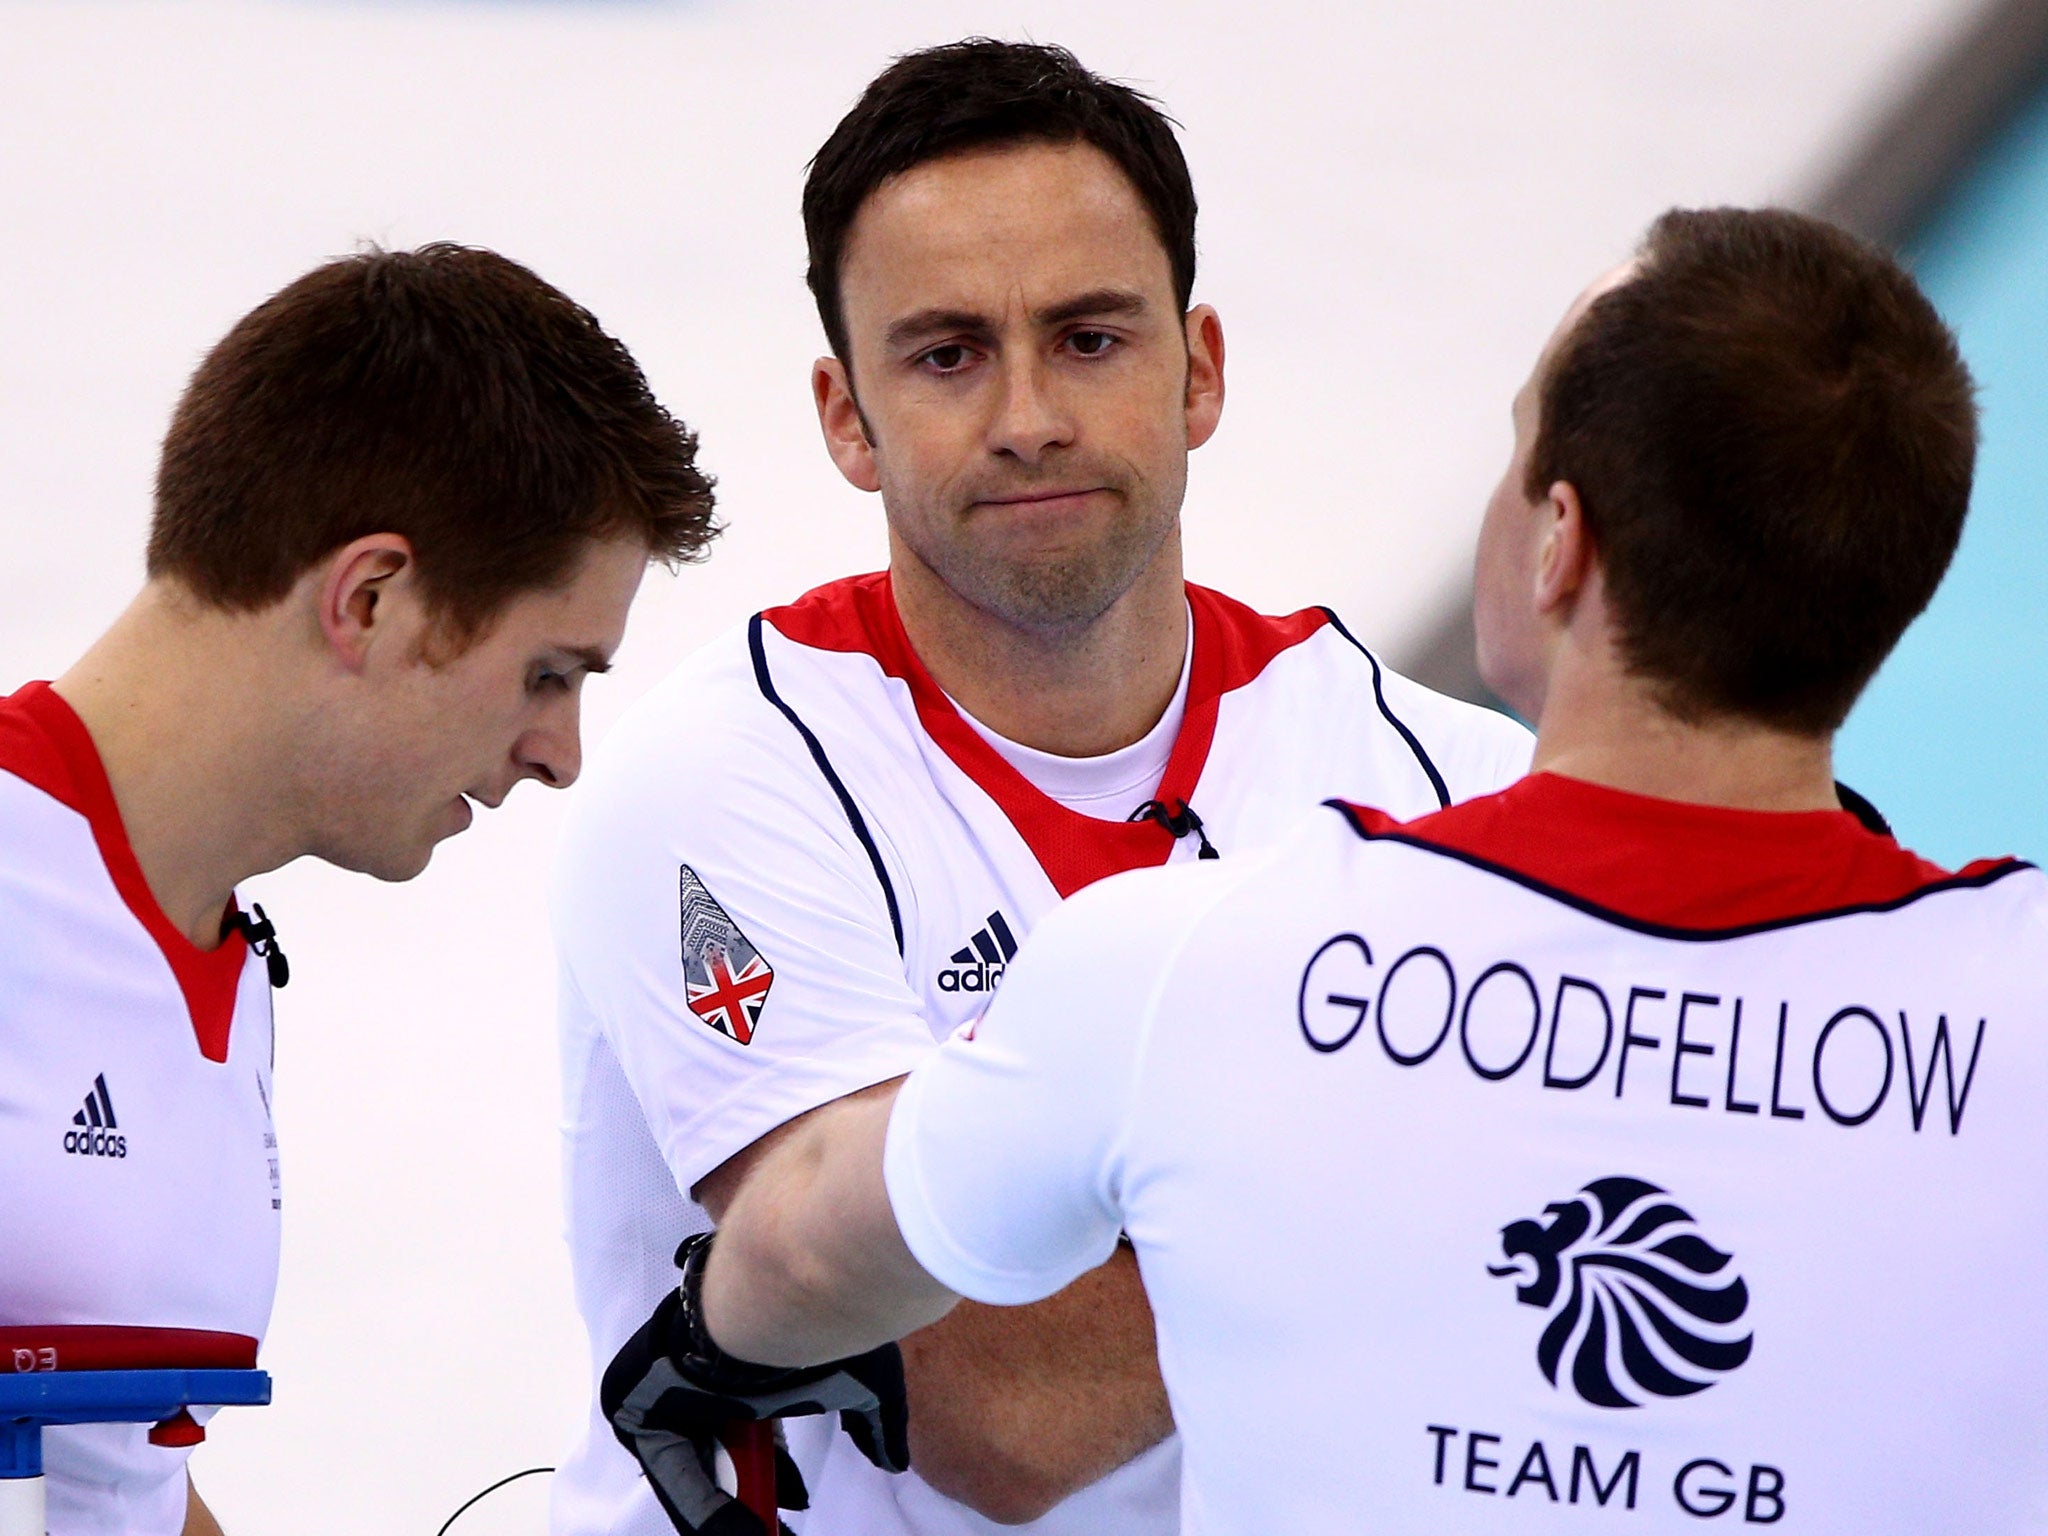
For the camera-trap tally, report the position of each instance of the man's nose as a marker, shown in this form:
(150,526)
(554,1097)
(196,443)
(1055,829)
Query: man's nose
(553,751)
(1030,416)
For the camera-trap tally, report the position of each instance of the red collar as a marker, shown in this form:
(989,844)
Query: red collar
(45,744)
(1232,646)
(1665,865)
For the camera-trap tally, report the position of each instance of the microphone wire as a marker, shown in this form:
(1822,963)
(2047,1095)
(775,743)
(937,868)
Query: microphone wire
(474,1498)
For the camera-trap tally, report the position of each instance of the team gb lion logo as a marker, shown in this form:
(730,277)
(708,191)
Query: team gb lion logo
(1652,1308)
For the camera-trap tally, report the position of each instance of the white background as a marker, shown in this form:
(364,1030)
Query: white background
(1398,200)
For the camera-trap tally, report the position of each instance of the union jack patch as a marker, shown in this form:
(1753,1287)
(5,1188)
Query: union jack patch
(725,979)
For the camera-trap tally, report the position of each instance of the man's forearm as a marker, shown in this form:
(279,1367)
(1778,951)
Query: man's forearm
(1014,1408)
(808,1265)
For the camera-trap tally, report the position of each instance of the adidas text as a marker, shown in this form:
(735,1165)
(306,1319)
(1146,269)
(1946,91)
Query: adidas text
(980,977)
(96,1143)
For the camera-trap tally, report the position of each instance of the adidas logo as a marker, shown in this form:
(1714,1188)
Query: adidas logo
(979,963)
(95,1125)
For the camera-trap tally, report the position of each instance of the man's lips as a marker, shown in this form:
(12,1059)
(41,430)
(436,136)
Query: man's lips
(466,805)
(1048,501)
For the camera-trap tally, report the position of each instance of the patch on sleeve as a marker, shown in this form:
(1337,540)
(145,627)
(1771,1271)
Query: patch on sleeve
(725,979)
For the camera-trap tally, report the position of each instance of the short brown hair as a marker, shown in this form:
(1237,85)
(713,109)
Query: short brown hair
(981,93)
(1773,435)
(445,394)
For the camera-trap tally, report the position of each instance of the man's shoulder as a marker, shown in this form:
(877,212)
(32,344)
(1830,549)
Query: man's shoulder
(751,735)
(810,688)
(1311,660)
(713,688)
(1445,714)
(44,827)
(31,755)
(777,665)
(704,739)
(852,615)
(1474,748)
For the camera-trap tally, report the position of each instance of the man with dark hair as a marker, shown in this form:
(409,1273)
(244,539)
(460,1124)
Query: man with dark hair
(979,94)
(1651,1134)
(1847,372)
(402,510)
(815,850)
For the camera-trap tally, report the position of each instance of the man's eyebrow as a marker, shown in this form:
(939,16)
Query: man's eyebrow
(1097,301)
(929,322)
(1102,302)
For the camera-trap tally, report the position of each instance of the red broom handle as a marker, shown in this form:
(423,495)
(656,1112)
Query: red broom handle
(752,1448)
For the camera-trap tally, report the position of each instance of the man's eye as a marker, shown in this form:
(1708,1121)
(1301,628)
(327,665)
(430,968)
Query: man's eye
(547,680)
(1091,343)
(947,359)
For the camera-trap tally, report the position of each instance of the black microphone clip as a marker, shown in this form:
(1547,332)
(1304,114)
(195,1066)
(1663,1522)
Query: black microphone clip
(262,936)
(1178,824)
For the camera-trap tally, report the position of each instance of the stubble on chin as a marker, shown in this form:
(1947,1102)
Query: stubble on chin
(1047,595)
(1047,591)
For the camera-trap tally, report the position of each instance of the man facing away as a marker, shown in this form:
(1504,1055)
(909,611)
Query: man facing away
(401,512)
(813,852)
(1649,1143)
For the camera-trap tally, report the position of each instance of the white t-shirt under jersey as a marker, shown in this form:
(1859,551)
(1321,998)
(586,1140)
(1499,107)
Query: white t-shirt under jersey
(1109,786)
(1564,1161)
(794,866)
(138,1170)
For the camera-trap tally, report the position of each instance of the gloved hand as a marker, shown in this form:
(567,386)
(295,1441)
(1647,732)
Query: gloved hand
(670,1389)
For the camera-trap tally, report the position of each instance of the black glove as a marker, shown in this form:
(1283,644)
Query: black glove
(670,1389)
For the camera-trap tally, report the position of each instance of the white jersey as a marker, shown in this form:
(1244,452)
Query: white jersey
(1565,1161)
(138,1169)
(795,865)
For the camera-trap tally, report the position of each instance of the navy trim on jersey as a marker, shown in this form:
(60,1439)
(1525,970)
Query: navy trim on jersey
(1664,930)
(860,827)
(1436,780)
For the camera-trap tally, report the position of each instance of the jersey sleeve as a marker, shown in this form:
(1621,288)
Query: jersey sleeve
(726,932)
(1003,1153)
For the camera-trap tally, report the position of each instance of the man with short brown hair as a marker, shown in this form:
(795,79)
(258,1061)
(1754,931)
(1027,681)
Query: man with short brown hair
(402,511)
(1840,369)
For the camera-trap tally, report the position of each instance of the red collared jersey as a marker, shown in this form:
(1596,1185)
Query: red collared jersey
(138,1167)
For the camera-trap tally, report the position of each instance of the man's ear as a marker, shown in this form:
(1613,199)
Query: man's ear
(353,591)
(1564,549)
(839,418)
(1204,403)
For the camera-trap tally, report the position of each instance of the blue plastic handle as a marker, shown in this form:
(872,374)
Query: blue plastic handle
(29,1400)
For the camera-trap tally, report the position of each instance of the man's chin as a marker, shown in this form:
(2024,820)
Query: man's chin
(1055,594)
(387,857)
(397,862)
(399,866)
